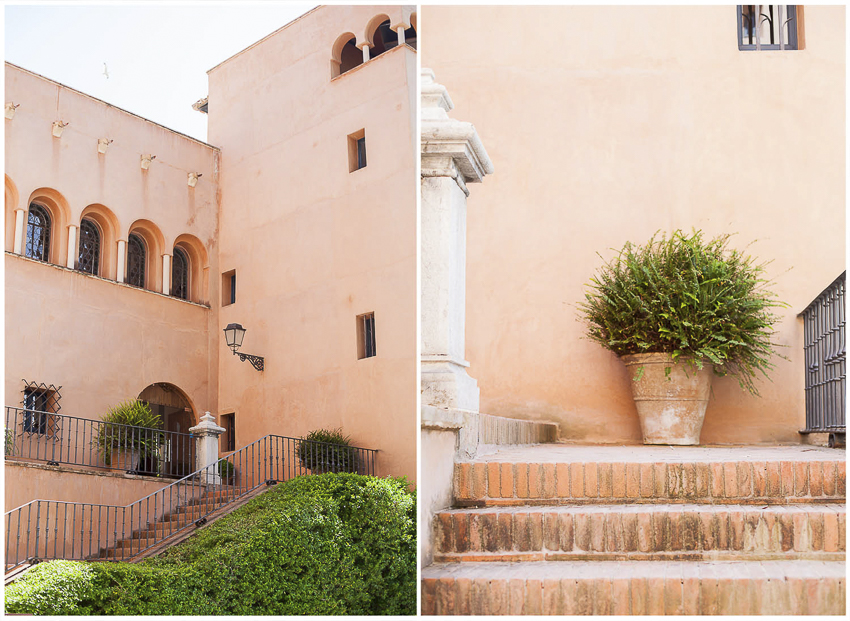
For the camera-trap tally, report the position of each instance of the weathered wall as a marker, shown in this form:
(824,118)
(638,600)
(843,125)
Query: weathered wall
(314,245)
(104,342)
(605,124)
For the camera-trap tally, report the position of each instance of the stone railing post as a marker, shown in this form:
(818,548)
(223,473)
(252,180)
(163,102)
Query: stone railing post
(207,433)
(452,156)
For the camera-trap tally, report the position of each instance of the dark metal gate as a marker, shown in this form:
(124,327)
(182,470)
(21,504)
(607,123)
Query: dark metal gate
(826,368)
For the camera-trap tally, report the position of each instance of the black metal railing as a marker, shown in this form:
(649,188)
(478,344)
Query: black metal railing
(50,529)
(825,357)
(59,439)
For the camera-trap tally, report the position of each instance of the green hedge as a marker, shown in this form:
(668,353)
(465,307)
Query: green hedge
(331,544)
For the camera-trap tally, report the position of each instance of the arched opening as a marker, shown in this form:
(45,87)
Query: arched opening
(88,257)
(56,247)
(179,274)
(39,233)
(380,36)
(178,415)
(136,260)
(195,257)
(105,223)
(345,55)
(154,243)
(11,205)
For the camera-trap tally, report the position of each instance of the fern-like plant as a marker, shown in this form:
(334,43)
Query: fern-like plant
(327,450)
(696,299)
(129,426)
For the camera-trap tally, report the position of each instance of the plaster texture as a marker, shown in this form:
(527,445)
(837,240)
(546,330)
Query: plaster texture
(630,121)
(315,245)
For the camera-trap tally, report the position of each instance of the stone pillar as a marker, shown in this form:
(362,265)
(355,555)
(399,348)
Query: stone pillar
(365,49)
(20,216)
(72,246)
(400,31)
(206,435)
(452,156)
(122,245)
(166,274)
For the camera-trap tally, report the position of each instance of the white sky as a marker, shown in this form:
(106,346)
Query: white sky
(157,54)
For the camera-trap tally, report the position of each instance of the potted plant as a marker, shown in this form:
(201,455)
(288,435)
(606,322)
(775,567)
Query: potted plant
(130,432)
(678,310)
(327,450)
(227,472)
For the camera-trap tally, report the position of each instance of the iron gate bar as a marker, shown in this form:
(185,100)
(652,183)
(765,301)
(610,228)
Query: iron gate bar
(824,347)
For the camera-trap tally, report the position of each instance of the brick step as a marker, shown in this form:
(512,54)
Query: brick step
(633,587)
(200,507)
(689,530)
(219,496)
(125,552)
(161,529)
(556,474)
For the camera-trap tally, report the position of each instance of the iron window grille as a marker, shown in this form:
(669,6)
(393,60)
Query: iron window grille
(366,336)
(767,27)
(40,401)
(136,256)
(180,275)
(88,259)
(38,233)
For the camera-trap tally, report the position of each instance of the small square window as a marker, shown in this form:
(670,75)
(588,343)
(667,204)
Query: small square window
(228,288)
(39,403)
(366,336)
(357,150)
(768,27)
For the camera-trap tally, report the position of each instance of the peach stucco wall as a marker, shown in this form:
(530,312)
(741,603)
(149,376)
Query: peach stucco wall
(102,341)
(605,124)
(313,245)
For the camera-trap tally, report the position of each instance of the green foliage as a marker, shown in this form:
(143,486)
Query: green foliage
(113,436)
(57,588)
(331,544)
(8,441)
(327,450)
(226,469)
(694,299)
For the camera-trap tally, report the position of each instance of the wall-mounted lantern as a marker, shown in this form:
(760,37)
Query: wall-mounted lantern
(193,179)
(147,158)
(59,127)
(10,109)
(234,333)
(102,144)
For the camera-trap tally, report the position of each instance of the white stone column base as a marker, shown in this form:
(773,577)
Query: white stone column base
(446,384)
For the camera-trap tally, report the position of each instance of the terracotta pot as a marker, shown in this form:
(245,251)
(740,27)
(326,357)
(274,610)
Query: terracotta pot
(127,460)
(671,407)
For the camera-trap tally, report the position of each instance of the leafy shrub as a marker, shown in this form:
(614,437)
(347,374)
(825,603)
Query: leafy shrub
(226,469)
(694,299)
(55,588)
(327,450)
(331,544)
(8,441)
(114,436)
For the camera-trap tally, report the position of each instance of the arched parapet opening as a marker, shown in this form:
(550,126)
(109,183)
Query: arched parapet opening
(109,226)
(12,198)
(379,35)
(59,213)
(410,33)
(345,55)
(154,247)
(198,268)
(178,415)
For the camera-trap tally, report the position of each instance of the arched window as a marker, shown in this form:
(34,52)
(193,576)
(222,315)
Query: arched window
(88,259)
(136,257)
(38,233)
(384,39)
(180,275)
(345,55)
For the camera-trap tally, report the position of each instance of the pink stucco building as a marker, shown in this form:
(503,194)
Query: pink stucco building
(129,248)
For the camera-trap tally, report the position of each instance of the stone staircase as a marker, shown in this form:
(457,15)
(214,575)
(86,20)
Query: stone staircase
(559,529)
(158,535)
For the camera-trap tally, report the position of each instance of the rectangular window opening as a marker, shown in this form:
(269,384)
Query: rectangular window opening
(357,150)
(228,438)
(39,402)
(769,27)
(228,288)
(366,336)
